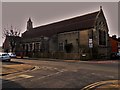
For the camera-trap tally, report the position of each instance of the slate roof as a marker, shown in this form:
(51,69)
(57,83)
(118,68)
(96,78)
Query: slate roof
(77,23)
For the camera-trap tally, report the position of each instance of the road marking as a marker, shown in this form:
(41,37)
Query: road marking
(63,70)
(91,86)
(44,68)
(49,75)
(28,76)
(22,76)
(10,78)
(35,68)
(25,76)
(18,77)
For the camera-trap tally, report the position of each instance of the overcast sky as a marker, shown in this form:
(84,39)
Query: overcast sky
(17,13)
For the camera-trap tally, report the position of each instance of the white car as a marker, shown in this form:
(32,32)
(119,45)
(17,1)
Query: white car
(12,55)
(118,54)
(4,57)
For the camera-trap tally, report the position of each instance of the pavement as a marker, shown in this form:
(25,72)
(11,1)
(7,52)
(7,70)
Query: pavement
(14,68)
(92,61)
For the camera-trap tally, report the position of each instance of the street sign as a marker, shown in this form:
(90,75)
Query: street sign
(90,43)
(90,40)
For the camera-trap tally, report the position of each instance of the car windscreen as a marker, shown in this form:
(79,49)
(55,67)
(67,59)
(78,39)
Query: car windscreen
(4,54)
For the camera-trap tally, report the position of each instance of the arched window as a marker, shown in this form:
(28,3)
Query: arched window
(102,37)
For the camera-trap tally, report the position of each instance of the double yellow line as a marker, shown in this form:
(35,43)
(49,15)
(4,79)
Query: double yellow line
(97,84)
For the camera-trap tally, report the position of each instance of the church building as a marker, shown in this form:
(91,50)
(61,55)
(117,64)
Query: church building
(84,37)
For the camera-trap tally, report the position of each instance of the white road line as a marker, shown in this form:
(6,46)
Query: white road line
(22,76)
(25,76)
(18,77)
(28,76)
(10,78)
(63,70)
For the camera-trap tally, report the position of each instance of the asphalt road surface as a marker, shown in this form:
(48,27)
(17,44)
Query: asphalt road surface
(61,74)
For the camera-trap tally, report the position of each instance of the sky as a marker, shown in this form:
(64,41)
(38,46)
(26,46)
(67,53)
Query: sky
(42,13)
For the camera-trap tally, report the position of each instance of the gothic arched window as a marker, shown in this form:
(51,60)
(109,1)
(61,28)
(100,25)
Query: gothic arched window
(102,33)
(102,37)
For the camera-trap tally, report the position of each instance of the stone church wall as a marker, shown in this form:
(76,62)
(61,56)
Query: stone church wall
(69,38)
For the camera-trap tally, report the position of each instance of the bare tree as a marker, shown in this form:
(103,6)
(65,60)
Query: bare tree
(12,35)
(11,32)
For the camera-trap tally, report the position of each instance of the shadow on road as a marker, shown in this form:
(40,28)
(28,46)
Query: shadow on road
(11,85)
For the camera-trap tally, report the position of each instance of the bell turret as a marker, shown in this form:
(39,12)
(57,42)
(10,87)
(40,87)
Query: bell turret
(29,24)
(100,7)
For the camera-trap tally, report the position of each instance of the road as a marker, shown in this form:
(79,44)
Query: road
(61,74)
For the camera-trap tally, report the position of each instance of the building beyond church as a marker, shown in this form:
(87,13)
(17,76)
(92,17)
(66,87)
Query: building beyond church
(115,44)
(82,37)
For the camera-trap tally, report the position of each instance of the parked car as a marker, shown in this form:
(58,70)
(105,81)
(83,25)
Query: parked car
(115,55)
(4,57)
(118,55)
(12,55)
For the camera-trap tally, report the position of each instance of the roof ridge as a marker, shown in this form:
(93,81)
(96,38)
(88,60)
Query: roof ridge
(66,19)
(80,22)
